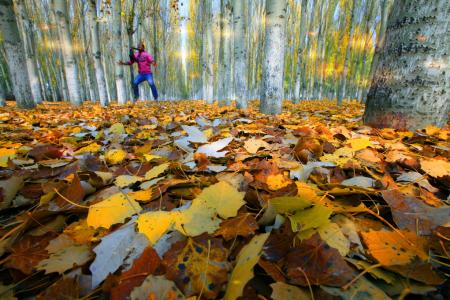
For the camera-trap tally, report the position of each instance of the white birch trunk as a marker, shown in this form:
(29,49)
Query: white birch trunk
(96,51)
(228,36)
(208,54)
(273,65)
(117,28)
(240,54)
(70,65)
(15,54)
(411,84)
(25,29)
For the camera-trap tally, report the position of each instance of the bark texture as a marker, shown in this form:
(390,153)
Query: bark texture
(70,65)
(273,65)
(411,84)
(15,53)
(240,54)
(117,28)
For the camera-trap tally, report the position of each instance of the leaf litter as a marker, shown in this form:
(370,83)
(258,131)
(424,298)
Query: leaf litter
(212,202)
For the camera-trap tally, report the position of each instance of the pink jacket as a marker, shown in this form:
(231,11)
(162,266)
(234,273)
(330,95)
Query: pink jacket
(144,61)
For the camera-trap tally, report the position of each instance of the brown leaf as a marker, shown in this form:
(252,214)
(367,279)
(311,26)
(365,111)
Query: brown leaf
(63,289)
(28,252)
(314,262)
(43,152)
(197,265)
(143,266)
(243,225)
(74,192)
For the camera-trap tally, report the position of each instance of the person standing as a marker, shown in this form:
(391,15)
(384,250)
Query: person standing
(144,61)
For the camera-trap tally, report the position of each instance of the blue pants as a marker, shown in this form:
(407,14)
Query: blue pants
(144,77)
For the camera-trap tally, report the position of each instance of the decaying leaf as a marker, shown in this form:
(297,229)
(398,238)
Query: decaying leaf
(156,287)
(66,259)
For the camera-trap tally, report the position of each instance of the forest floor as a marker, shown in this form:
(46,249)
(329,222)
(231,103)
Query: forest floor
(181,199)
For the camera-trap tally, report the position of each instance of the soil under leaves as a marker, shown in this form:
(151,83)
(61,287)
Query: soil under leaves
(184,199)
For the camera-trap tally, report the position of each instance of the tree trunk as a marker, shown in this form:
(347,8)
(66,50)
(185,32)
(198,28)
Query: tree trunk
(273,65)
(411,84)
(117,28)
(14,56)
(25,29)
(208,54)
(70,64)
(343,79)
(240,54)
(227,32)
(96,51)
(385,4)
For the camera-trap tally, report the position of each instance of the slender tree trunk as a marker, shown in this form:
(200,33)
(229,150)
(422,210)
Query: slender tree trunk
(227,62)
(222,63)
(70,64)
(117,28)
(15,53)
(411,85)
(25,29)
(343,79)
(2,90)
(273,65)
(240,54)
(208,54)
(96,51)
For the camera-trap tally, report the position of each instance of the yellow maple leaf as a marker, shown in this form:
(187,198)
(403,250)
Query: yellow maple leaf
(117,128)
(115,156)
(112,210)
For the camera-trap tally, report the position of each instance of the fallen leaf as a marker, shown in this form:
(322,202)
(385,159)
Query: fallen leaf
(435,167)
(243,271)
(313,262)
(141,196)
(198,266)
(123,181)
(253,145)
(313,217)
(66,259)
(362,289)
(5,156)
(115,156)
(156,287)
(64,288)
(284,291)
(112,210)
(289,204)
(156,171)
(243,225)
(195,135)
(390,248)
(213,149)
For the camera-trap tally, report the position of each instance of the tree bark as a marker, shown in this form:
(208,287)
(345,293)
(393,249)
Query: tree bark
(26,30)
(273,65)
(411,84)
(208,54)
(70,64)
(240,54)
(15,53)
(117,28)
(96,51)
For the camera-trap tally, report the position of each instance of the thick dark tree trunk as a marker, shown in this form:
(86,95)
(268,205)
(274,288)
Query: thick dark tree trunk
(411,84)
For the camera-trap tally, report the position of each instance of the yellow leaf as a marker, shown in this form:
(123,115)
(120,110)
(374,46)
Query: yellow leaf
(115,156)
(252,145)
(289,204)
(432,130)
(276,182)
(5,155)
(150,157)
(156,171)
(47,197)
(197,219)
(142,196)
(91,148)
(117,128)
(243,271)
(359,144)
(155,224)
(223,197)
(126,180)
(435,167)
(313,217)
(112,210)
(332,234)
